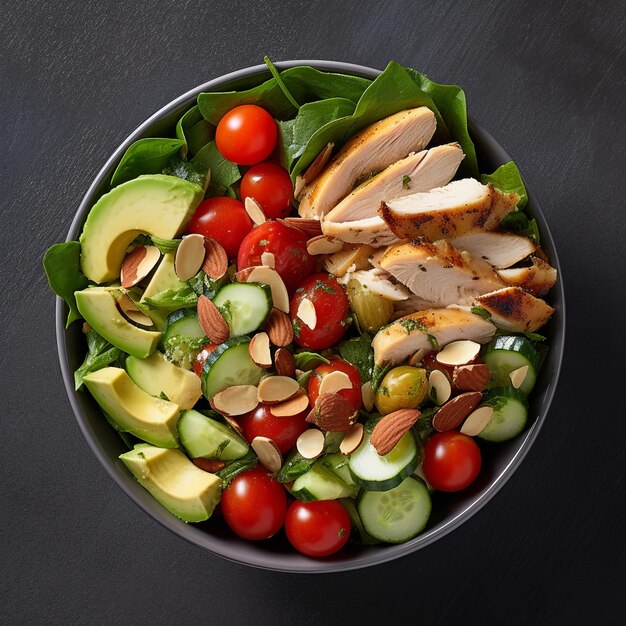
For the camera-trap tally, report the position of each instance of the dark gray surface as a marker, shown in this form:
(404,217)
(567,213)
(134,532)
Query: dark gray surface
(546,80)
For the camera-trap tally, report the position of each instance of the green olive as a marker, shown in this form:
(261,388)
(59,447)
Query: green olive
(403,387)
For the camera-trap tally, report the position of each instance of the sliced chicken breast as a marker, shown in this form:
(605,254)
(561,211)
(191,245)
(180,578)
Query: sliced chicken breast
(438,273)
(498,249)
(460,207)
(411,305)
(538,279)
(351,260)
(378,282)
(402,338)
(515,310)
(371,150)
(371,231)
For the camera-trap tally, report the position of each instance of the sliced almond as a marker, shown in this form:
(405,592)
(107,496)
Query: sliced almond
(352,439)
(259,350)
(323,244)
(254,211)
(367,394)
(268,276)
(86,328)
(307,313)
(440,388)
(242,275)
(297,404)
(268,453)
(234,424)
(130,310)
(477,420)
(235,400)
(458,352)
(334,382)
(275,389)
(310,443)
(309,226)
(298,186)
(211,321)
(137,264)
(215,263)
(268,259)
(318,163)
(518,376)
(189,256)
(418,357)
(284,363)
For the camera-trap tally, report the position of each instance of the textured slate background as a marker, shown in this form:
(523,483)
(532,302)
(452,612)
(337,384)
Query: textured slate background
(546,78)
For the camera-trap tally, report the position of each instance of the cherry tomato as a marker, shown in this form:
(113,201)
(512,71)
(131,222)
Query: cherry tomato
(270,185)
(337,365)
(452,461)
(287,244)
(317,528)
(246,135)
(223,219)
(202,356)
(254,504)
(430,363)
(283,431)
(331,308)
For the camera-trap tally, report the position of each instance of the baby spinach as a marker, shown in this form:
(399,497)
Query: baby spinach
(279,81)
(508,179)
(61,262)
(223,172)
(188,170)
(359,352)
(194,130)
(307,361)
(100,353)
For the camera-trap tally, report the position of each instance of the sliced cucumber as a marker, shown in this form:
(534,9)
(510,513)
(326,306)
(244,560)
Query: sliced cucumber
(319,483)
(205,438)
(359,534)
(510,413)
(397,515)
(338,464)
(381,473)
(245,306)
(228,365)
(183,323)
(506,353)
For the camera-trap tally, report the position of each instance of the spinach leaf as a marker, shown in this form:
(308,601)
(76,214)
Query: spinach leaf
(165,245)
(306,361)
(507,178)
(61,262)
(173,298)
(188,170)
(237,466)
(194,130)
(311,84)
(359,352)
(303,379)
(279,81)
(223,172)
(145,156)
(100,353)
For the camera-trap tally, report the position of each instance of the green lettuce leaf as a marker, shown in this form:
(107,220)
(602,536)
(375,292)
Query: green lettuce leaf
(100,353)
(173,298)
(508,179)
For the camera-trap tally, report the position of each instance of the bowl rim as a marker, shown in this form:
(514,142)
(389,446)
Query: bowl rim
(234,552)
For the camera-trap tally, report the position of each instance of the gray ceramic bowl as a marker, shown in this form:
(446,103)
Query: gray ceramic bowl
(449,511)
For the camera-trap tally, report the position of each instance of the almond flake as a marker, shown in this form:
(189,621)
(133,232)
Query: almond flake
(137,264)
(440,388)
(454,412)
(268,259)
(235,400)
(209,465)
(334,382)
(323,244)
(234,424)
(458,352)
(189,256)
(476,421)
(418,357)
(306,312)
(309,226)
(298,404)
(275,389)
(298,186)
(130,310)
(310,443)
(215,263)
(367,394)
(211,321)
(259,350)
(352,439)
(518,376)
(268,276)
(254,211)
(318,163)
(268,453)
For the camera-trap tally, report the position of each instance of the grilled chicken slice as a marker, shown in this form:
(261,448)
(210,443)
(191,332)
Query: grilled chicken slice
(411,305)
(498,249)
(396,342)
(515,310)
(460,207)
(371,231)
(351,260)
(371,150)
(378,282)
(538,279)
(438,273)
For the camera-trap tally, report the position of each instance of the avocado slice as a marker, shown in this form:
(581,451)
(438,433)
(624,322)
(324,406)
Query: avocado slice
(156,375)
(155,204)
(132,409)
(99,308)
(183,489)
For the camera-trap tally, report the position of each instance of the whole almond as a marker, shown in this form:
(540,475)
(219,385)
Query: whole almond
(333,412)
(279,328)
(309,227)
(284,363)
(318,164)
(211,321)
(454,412)
(471,377)
(137,264)
(215,262)
(209,465)
(391,428)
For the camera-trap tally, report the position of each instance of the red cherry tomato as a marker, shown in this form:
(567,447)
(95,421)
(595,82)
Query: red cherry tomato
(283,431)
(452,461)
(254,504)
(317,528)
(246,135)
(270,185)
(223,219)
(331,308)
(287,244)
(337,365)
(430,363)
(202,356)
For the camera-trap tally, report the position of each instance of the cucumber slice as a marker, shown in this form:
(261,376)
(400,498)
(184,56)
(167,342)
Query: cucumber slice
(506,353)
(397,515)
(183,323)
(381,473)
(338,464)
(228,365)
(510,413)
(319,483)
(359,534)
(245,306)
(205,438)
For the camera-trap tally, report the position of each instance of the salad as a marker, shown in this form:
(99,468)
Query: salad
(308,309)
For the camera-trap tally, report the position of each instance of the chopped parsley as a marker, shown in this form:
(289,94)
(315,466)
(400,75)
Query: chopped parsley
(481,312)
(410,325)
(264,242)
(221,448)
(406,182)
(320,284)
(296,328)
